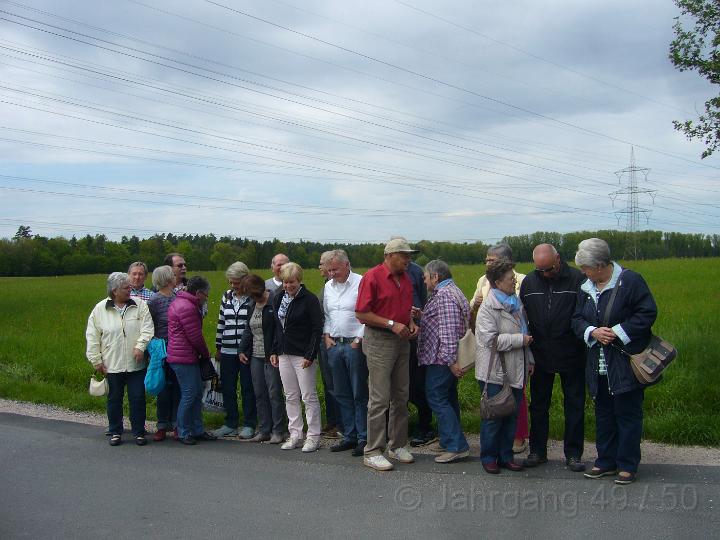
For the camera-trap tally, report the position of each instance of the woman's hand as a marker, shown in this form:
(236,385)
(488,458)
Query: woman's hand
(527,340)
(307,363)
(604,335)
(217,355)
(243,359)
(531,369)
(457,370)
(138,355)
(100,368)
(274,360)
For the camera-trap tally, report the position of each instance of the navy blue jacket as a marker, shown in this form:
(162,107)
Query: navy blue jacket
(303,325)
(635,310)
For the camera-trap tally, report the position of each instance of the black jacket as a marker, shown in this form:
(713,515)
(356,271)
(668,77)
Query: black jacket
(268,328)
(303,325)
(635,310)
(550,304)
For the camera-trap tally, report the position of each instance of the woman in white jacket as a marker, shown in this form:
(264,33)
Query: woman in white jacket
(118,331)
(502,343)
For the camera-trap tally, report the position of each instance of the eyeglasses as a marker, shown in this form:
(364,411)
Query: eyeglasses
(180,265)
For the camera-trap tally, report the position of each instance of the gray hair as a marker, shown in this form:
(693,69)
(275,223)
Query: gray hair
(326,257)
(115,281)
(237,270)
(138,263)
(501,251)
(440,268)
(339,255)
(593,252)
(163,276)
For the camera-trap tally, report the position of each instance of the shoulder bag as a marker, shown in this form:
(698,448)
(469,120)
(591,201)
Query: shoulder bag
(650,363)
(466,350)
(502,404)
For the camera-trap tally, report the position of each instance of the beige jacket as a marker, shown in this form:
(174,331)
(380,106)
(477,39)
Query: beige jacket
(111,337)
(497,328)
(483,287)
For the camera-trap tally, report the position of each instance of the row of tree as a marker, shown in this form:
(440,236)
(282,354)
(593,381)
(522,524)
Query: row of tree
(29,255)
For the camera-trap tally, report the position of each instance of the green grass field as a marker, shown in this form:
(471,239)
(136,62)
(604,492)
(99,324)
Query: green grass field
(42,346)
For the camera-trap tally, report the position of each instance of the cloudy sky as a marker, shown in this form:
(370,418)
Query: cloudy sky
(350,121)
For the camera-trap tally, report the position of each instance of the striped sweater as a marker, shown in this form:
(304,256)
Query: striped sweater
(234,315)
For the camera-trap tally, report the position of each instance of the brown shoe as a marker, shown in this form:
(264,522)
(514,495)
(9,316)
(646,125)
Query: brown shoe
(160,435)
(491,468)
(512,466)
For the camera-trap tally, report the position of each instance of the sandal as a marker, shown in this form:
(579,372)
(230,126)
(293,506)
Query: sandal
(115,440)
(140,440)
(625,478)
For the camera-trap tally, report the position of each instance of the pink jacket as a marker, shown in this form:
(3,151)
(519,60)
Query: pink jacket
(185,338)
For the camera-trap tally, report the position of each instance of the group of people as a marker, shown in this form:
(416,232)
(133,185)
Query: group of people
(381,340)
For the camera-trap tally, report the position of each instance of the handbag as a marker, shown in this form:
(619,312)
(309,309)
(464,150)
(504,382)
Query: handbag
(502,404)
(207,369)
(466,350)
(98,388)
(212,400)
(155,375)
(649,364)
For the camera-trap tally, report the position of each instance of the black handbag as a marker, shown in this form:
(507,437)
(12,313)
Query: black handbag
(207,370)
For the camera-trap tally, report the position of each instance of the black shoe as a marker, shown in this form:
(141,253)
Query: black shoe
(597,472)
(359,450)
(188,440)
(205,436)
(115,440)
(343,445)
(423,438)
(533,460)
(574,464)
(140,440)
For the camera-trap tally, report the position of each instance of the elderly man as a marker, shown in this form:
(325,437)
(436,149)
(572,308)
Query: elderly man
(343,334)
(138,272)
(549,295)
(274,283)
(177,262)
(384,305)
(444,321)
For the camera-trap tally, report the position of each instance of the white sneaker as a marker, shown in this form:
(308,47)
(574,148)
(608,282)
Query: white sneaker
(291,443)
(311,444)
(379,463)
(401,454)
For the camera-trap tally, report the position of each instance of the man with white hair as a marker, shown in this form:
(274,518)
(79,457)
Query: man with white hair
(274,283)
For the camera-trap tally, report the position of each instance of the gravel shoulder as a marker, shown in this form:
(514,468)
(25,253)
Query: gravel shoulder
(651,452)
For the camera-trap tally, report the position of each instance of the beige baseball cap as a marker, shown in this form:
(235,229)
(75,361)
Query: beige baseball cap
(399,245)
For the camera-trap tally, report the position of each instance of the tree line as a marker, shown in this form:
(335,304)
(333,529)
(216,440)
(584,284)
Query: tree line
(34,255)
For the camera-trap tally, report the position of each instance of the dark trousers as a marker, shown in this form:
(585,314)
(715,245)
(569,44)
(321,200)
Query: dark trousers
(135,382)
(496,436)
(230,368)
(441,386)
(168,400)
(573,387)
(618,427)
(350,382)
(332,409)
(417,391)
(268,397)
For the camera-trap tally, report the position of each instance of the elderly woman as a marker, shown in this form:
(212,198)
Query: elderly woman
(234,315)
(186,348)
(138,272)
(609,327)
(503,350)
(163,279)
(444,321)
(118,332)
(298,327)
(256,345)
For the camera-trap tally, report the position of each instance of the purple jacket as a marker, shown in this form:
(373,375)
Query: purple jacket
(185,338)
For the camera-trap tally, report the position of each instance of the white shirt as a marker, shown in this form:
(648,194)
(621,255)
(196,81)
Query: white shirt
(339,301)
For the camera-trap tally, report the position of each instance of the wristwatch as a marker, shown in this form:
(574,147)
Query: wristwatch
(390,323)
(356,340)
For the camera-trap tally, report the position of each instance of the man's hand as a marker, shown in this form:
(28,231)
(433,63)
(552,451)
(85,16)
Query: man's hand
(400,330)
(604,335)
(457,370)
(355,344)
(243,359)
(138,355)
(413,329)
(329,342)
(274,360)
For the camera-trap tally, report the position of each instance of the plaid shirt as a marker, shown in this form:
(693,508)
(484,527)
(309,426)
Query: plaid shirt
(142,293)
(444,321)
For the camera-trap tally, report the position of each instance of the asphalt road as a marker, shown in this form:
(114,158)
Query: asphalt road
(62,480)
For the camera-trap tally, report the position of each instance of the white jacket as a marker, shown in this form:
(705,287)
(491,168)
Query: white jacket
(111,337)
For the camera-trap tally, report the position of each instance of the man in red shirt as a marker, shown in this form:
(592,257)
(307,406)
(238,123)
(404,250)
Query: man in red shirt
(384,305)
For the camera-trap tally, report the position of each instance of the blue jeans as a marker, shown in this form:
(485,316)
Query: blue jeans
(189,415)
(168,400)
(230,368)
(618,427)
(496,436)
(441,392)
(349,371)
(135,382)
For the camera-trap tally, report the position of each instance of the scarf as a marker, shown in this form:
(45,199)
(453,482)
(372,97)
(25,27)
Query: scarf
(283,309)
(511,304)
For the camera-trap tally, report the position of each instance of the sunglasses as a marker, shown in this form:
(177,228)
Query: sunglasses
(545,270)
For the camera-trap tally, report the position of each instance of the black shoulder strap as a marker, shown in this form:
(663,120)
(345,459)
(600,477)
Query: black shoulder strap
(613,294)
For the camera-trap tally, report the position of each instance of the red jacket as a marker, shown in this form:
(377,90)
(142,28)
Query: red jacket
(185,338)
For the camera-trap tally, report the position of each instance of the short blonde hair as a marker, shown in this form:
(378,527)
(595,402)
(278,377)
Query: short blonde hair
(237,270)
(290,271)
